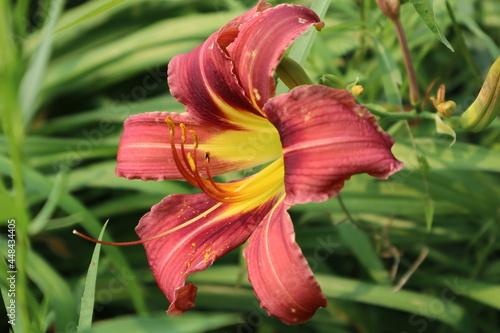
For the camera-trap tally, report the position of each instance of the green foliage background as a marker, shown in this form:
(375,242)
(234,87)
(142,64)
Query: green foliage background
(72,72)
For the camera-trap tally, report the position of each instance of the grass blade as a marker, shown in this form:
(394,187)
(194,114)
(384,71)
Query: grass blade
(4,291)
(187,323)
(341,288)
(53,286)
(391,76)
(87,304)
(71,205)
(302,46)
(32,79)
(40,221)
(93,13)
(462,48)
(363,250)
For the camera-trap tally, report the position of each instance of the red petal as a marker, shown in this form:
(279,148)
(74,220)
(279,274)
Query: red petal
(214,230)
(259,7)
(279,273)
(145,151)
(203,79)
(183,299)
(260,44)
(326,138)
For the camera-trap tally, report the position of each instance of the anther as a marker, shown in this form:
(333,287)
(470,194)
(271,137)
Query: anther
(171,125)
(195,136)
(192,162)
(183,128)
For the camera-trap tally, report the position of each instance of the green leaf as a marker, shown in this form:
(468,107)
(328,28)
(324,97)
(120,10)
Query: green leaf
(9,209)
(93,13)
(40,221)
(55,288)
(126,204)
(476,30)
(462,156)
(429,212)
(391,76)
(444,128)
(362,248)
(116,114)
(71,205)
(444,185)
(102,65)
(187,323)
(460,41)
(419,305)
(32,80)
(221,279)
(455,287)
(302,46)
(103,175)
(87,304)
(426,12)
(5,287)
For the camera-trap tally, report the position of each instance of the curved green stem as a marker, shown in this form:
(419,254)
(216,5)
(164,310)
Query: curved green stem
(401,115)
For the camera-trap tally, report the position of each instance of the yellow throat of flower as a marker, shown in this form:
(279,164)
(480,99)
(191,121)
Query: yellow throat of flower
(247,193)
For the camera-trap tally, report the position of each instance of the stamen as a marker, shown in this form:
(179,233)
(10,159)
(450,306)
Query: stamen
(195,136)
(183,128)
(185,173)
(209,175)
(188,168)
(183,141)
(214,192)
(192,163)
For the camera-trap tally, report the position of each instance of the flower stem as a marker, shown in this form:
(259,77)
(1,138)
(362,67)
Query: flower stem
(412,78)
(401,115)
(346,211)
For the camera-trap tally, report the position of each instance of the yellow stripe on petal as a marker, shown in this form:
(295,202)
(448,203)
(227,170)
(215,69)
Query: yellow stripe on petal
(264,186)
(251,148)
(258,189)
(240,117)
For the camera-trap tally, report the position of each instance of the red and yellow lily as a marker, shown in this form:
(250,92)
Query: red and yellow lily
(311,140)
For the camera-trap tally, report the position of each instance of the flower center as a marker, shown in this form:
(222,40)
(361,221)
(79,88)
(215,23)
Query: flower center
(243,190)
(243,195)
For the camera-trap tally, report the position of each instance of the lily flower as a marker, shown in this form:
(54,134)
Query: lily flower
(310,140)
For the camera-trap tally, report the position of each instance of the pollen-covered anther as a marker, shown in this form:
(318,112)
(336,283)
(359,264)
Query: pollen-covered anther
(192,163)
(195,136)
(183,128)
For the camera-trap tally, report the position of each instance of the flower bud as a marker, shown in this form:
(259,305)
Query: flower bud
(444,107)
(487,104)
(332,81)
(356,90)
(291,73)
(390,8)
(447,108)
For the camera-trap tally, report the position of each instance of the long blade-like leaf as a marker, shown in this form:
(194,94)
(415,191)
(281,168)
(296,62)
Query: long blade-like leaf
(32,79)
(426,12)
(97,11)
(87,304)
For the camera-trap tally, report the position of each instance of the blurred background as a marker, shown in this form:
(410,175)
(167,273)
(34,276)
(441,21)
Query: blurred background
(419,252)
